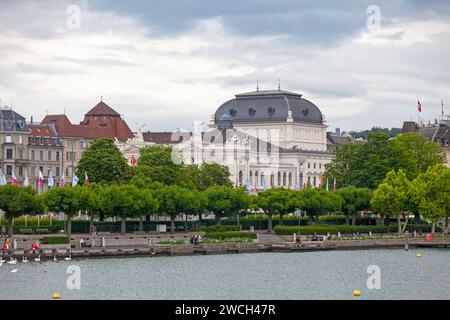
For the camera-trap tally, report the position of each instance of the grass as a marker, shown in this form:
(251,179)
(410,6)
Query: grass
(171,242)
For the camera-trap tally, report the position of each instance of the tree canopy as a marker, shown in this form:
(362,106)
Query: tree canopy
(104,163)
(365,165)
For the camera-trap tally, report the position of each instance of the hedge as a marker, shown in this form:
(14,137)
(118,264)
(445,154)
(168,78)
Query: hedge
(218,228)
(230,234)
(344,229)
(56,240)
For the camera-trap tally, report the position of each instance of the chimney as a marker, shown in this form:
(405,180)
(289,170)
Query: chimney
(338,131)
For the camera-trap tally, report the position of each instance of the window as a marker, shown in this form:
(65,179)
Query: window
(320,166)
(49,156)
(284,179)
(20,154)
(314,181)
(9,170)
(256,177)
(240,177)
(49,170)
(41,155)
(70,156)
(32,171)
(20,139)
(57,171)
(8,139)
(32,155)
(263,179)
(57,155)
(41,169)
(309,165)
(290,179)
(279,178)
(314,165)
(20,171)
(251,178)
(9,153)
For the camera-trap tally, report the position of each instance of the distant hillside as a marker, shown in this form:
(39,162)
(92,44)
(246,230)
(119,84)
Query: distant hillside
(392,132)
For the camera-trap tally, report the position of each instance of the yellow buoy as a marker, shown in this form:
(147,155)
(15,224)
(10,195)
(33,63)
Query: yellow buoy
(418,255)
(56,296)
(356,293)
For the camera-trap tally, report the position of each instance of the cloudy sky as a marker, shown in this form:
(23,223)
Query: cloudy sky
(168,63)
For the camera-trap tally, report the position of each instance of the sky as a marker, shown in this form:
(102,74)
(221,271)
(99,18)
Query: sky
(166,64)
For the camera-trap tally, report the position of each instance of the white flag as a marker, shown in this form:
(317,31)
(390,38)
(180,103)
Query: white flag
(26,182)
(50,182)
(2,179)
(74,180)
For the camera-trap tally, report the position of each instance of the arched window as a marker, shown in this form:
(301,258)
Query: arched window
(279,178)
(284,179)
(301,179)
(290,179)
(262,178)
(256,177)
(240,177)
(314,181)
(251,178)
(272,180)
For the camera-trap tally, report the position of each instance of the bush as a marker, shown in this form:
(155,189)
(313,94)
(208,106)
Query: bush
(230,234)
(171,242)
(56,240)
(218,228)
(344,229)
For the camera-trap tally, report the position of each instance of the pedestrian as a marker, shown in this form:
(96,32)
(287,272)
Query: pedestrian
(82,243)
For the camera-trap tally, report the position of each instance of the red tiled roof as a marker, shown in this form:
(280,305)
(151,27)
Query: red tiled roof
(96,124)
(161,137)
(102,109)
(38,130)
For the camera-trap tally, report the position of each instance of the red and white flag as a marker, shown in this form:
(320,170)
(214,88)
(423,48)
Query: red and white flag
(14,180)
(86,179)
(62,180)
(41,179)
(419,106)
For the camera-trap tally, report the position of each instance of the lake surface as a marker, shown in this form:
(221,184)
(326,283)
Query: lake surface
(310,275)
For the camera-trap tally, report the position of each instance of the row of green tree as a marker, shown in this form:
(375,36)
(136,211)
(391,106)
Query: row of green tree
(427,195)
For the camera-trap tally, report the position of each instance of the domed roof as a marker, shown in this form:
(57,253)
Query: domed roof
(269,106)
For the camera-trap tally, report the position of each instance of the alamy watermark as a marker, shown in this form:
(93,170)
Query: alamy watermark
(74,20)
(374,18)
(73,281)
(374,279)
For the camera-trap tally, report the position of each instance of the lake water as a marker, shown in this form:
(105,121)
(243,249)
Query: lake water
(308,275)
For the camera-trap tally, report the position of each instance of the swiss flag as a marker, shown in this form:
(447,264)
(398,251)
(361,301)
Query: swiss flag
(419,106)
(40,179)
(86,179)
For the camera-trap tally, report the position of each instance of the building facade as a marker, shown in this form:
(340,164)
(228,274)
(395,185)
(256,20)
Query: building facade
(267,139)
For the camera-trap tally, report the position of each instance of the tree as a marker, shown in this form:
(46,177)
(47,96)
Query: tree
(391,196)
(273,201)
(365,165)
(224,201)
(69,200)
(159,163)
(175,200)
(146,204)
(419,153)
(16,201)
(120,200)
(104,163)
(354,200)
(206,175)
(316,202)
(430,192)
